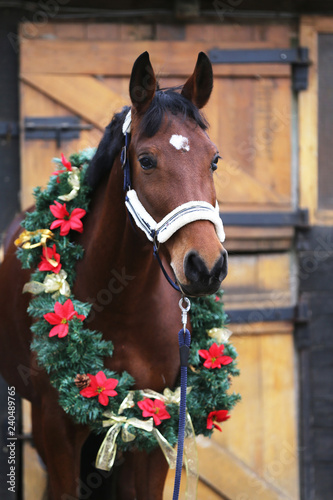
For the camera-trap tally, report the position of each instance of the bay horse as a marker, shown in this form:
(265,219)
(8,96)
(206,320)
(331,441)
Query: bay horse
(172,161)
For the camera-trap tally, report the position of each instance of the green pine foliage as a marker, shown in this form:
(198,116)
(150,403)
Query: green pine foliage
(83,350)
(211,385)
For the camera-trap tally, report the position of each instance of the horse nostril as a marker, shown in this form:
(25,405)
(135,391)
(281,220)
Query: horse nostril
(198,274)
(220,269)
(195,268)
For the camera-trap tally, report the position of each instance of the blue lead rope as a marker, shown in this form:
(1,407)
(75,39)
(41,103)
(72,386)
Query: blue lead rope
(184,338)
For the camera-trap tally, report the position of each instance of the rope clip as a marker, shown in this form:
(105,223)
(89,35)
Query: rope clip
(184,310)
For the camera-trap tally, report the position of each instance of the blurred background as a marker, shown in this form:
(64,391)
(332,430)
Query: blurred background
(65,67)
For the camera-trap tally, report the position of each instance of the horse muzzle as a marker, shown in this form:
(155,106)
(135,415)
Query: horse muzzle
(200,279)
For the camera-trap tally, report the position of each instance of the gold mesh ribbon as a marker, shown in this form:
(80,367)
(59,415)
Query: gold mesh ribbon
(190,447)
(53,283)
(118,423)
(107,452)
(74,182)
(190,460)
(221,335)
(24,240)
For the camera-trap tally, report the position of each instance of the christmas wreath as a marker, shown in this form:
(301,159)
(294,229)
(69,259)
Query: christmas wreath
(72,354)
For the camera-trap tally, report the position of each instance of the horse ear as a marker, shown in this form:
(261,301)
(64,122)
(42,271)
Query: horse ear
(142,83)
(200,85)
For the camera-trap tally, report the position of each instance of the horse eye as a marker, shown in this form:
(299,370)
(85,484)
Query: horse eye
(147,163)
(214,163)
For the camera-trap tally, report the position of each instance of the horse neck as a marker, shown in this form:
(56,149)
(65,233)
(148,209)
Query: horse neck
(116,253)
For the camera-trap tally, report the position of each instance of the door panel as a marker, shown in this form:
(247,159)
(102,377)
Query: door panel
(252,130)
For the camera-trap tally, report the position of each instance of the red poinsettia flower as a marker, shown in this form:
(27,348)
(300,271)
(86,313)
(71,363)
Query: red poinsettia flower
(155,409)
(50,260)
(61,316)
(66,220)
(100,386)
(67,164)
(214,357)
(216,416)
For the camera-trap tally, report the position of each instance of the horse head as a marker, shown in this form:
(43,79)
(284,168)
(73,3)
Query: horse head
(172,163)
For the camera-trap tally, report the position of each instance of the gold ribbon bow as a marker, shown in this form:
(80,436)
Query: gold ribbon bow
(24,240)
(74,181)
(107,452)
(221,335)
(53,283)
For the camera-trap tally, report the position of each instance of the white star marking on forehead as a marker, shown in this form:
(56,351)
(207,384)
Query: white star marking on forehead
(180,142)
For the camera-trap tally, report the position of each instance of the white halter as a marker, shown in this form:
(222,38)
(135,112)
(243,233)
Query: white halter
(184,214)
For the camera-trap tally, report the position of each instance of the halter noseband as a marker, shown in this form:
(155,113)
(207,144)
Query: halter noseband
(179,217)
(160,232)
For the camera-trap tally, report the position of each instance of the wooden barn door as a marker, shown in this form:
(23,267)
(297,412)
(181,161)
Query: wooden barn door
(76,76)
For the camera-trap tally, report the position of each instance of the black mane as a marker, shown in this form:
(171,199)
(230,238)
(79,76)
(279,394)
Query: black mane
(164,101)
(108,150)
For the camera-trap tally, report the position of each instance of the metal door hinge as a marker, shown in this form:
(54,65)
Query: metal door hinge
(59,128)
(297,57)
(302,320)
(298,219)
